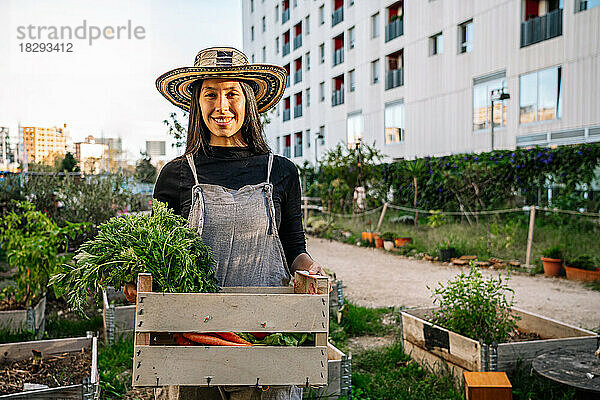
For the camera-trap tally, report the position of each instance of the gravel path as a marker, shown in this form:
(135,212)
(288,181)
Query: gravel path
(375,278)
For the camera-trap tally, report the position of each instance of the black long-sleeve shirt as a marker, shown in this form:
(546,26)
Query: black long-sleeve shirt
(234,167)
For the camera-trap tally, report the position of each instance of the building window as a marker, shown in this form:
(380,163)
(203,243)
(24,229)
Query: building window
(354,129)
(394,122)
(298,144)
(308,97)
(264,23)
(287,146)
(436,44)
(322,135)
(252,32)
(352,80)
(295,3)
(298,70)
(351,38)
(322,53)
(307,60)
(307,24)
(338,49)
(298,106)
(308,138)
(375,71)
(277,45)
(277,13)
(322,92)
(375,25)
(582,5)
(465,37)
(264,54)
(277,145)
(482,113)
(251,5)
(322,14)
(540,96)
(286,109)
(297,35)
(337,91)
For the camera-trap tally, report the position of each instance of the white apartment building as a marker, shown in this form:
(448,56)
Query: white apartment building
(416,76)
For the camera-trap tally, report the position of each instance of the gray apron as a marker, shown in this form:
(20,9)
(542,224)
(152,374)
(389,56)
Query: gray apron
(240,228)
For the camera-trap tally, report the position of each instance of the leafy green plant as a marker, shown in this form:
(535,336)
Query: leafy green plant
(435,218)
(585,262)
(160,244)
(475,306)
(33,243)
(389,236)
(554,252)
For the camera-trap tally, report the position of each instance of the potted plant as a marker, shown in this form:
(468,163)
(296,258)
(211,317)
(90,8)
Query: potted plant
(388,240)
(583,268)
(552,259)
(366,236)
(447,251)
(378,240)
(400,241)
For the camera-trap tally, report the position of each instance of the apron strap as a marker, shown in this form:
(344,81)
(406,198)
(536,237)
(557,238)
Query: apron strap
(190,159)
(270,164)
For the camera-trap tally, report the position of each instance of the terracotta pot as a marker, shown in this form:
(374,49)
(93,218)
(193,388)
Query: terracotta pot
(447,254)
(388,245)
(576,274)
(399,242)
(367,236)
(378,242)
(552,266)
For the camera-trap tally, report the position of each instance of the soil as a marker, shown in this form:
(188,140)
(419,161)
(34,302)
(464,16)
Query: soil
(11,304)
(139,394)
(520,336)
(53,371)
(376,278)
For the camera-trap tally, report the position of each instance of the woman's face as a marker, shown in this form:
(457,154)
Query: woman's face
(223,107)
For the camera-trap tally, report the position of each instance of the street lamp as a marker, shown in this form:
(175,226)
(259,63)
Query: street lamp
(497,95)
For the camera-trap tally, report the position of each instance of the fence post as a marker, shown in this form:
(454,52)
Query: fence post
(385,205)
(530,236)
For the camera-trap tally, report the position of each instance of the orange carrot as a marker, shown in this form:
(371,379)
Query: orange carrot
(181,341)
(232,337)
(210,340)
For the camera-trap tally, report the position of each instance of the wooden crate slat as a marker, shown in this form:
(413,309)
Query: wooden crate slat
(13,319)
(260,289)
(21,350)
(72,392)
(550,328)
(510,353)
(169,365)
(231,312)
(432,362)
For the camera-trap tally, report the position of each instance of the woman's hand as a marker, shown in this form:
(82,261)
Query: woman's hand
(303,262)
(130,292)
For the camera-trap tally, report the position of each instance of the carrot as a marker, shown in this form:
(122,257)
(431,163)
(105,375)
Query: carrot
(232,337)
(210,340)
(260,335)
(181,341)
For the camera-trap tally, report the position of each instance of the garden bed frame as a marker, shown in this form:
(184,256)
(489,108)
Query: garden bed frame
(339,371)
(302,308)
(437,348)
(30,319)
(118,320)
(88,389)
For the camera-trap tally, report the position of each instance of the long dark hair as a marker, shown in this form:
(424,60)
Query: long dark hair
(198,137)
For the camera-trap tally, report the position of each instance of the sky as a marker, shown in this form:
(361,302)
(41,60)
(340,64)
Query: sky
(105,88)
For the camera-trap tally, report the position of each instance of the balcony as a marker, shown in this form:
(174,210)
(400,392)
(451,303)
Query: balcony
(287,151)
(285,16)
(337,16)
(298,76)
(286,48)
(338,56)
(542,28)
(394,29)
(298,111)
(337,97)
(394,78)
(297,41)
(286,114)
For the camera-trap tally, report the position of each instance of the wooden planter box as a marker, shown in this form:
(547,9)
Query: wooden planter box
(88,389)
(339,381)
(303,308)
(577,274)
(436,347)
(31,319)
(118,320)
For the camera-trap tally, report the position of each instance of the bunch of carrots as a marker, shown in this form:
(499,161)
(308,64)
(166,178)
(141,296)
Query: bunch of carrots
(214,339)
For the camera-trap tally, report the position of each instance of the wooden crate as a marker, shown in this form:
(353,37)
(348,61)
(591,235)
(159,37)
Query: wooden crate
(118,320)
(436,347)
(339,379)
(31,319)
(303,308)
(88,389)
(487,386)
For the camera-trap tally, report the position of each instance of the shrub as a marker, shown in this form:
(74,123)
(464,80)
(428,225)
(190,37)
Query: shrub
(585,262)
(554,252)
(476,307)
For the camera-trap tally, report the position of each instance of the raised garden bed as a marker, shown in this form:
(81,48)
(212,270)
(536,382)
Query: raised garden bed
(68,366)
(118,317)
(30,319)
(339,380)
(301,309)
(436,347)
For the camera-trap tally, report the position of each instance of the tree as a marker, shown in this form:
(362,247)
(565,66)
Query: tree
(177,129)
(69,163)
(145,172)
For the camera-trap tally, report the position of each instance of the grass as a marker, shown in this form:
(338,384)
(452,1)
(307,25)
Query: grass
(114,366)
(594,285)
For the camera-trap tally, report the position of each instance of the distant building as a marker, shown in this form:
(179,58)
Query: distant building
(155,149)
(8,152)
(42,145)
(92,156)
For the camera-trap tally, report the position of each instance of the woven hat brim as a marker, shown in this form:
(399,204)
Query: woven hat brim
(269,80)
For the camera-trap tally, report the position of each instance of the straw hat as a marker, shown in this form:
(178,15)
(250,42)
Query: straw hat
(268,81)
